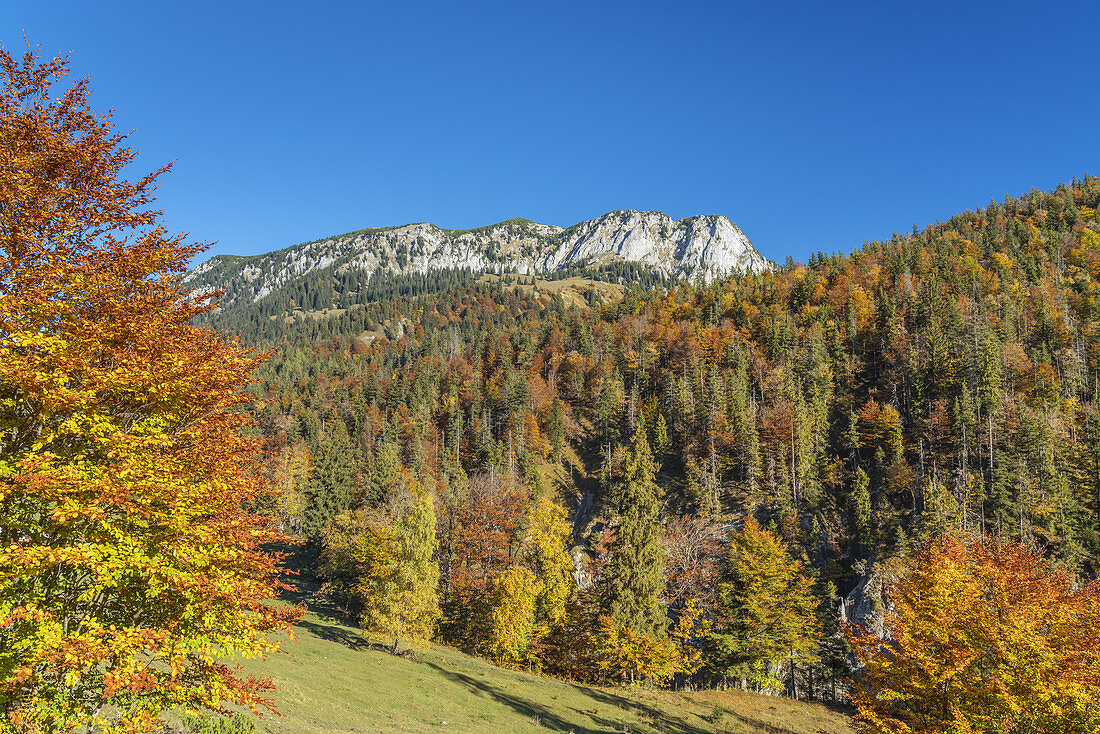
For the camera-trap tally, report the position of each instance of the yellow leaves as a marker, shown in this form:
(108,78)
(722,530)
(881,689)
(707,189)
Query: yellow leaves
(1003,262)
(398,581)
(691,625)
(880,425)
(511,623)
(1089,238)
(119,516)
(544,550)
(989,633)
(627,655)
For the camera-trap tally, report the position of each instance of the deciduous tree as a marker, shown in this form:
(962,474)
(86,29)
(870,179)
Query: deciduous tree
(489,519)
(767,609)
(545,551)
(398,588)
(627,655)
(511,623)
(982,636)
(130,574)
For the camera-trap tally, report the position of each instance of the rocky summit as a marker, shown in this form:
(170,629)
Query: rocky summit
(705,246)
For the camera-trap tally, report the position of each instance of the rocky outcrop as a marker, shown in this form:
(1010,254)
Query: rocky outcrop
(701,246)
(866,604)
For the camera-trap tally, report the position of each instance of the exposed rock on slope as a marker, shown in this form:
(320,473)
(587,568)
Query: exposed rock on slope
(707,246)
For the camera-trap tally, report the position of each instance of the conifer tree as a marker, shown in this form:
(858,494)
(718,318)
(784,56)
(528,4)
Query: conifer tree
(860,504)
(556,429)
(660,437)
(634,575)
(330,488)
(386,479)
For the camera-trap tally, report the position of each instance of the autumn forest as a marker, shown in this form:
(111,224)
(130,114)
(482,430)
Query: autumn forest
(871,480)
(697,484)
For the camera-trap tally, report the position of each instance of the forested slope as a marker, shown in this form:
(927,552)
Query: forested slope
(855,405)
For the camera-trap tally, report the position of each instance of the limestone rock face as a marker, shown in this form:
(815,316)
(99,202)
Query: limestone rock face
(707,246)
(866,604)
(704,245)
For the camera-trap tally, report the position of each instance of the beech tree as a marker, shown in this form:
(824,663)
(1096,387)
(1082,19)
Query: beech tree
(130,575)
(545,550)
(766,610)
(631,656)
(399,585)
(489,519)
(984,636)
(511,617)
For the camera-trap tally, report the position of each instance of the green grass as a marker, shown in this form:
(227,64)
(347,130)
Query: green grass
(332,682)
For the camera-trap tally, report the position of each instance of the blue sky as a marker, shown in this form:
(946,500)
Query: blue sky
(814,126)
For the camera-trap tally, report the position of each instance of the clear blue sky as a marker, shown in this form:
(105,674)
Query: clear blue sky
(814,126)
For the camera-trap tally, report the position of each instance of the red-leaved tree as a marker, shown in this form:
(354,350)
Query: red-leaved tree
(130,573)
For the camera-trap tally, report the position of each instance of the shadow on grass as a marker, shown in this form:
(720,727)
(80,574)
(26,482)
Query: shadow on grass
(757,724)
(332,633)
(309,595)
(546,717)
(651,718)
(350,638)
(305,590)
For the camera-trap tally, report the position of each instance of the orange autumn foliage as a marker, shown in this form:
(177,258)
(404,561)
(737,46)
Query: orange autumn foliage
(130,575)
(984,636)
(487,521)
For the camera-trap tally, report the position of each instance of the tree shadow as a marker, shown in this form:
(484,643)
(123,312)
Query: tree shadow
(662,721)
(659,720)
(651,717)
(351,638)
(304,590)
(332,633)
(755,725)
(546,717)
(759,725)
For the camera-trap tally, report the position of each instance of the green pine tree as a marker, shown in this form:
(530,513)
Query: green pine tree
(860,505)
(386,480)
(635,574)
(333,479)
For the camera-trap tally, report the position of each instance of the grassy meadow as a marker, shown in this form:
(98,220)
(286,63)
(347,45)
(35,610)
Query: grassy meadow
(332,682)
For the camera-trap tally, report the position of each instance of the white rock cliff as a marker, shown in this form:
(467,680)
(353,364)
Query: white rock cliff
(707,246)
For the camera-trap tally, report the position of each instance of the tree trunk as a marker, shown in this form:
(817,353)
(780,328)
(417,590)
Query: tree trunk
(794,678)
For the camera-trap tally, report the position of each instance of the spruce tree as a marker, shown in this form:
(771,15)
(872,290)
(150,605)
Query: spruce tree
(385,477)
(860,505)
(635,574)
(330,487)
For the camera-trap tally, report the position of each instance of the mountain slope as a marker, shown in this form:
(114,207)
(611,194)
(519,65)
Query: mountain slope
(331,681)
(704,246)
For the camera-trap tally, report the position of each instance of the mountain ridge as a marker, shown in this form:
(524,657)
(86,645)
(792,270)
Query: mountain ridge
(706,246)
